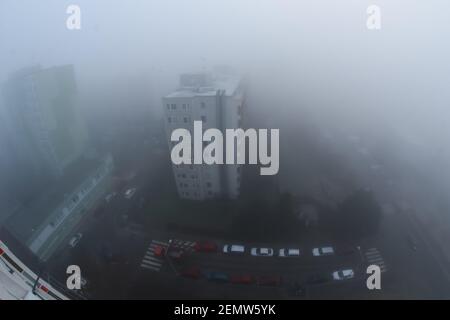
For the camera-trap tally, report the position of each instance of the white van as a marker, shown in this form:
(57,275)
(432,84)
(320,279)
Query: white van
(233,248)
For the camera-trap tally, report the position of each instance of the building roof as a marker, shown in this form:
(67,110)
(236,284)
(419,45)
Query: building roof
(227,83)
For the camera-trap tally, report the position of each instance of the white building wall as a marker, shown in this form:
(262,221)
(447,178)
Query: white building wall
(232,119)
(215,110)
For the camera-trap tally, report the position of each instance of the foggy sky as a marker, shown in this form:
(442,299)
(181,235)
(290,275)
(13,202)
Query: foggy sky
(300,55)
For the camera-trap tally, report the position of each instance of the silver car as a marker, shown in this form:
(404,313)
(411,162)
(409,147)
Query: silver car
(262,252)
(75,239)
(289,253)
(323,251)
(233,248)
(343,274)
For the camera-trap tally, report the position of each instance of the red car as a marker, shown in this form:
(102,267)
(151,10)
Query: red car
(205,246)
(243,279)
(193,273)
(159,251)
(271,281)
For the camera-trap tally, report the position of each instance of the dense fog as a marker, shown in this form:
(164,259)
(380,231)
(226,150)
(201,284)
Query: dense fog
(356,108)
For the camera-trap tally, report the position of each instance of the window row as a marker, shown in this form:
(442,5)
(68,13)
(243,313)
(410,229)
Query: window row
(184,106)
(184,119)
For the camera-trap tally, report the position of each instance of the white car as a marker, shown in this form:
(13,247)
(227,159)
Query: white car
(75,239)
(289,253)
(83,282)
(263,252)
(233,248)
(343,274)
(130,193)
(323,251)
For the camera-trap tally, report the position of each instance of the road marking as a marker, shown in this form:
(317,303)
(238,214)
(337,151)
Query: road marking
(149,261)
(152,263)
(160,242)
(149,267)
(374,257)
(151,257)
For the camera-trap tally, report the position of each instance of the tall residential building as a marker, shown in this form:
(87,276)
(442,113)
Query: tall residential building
(45,130)
(217,100)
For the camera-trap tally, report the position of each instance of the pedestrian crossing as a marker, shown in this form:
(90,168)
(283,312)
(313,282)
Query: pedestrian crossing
(149,261)
(373,256)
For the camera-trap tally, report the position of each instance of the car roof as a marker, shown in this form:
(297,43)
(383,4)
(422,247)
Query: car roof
(347,272)
(327,249)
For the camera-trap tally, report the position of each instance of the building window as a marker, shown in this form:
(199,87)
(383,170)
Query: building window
(184,106)
(185,119)
(184,175)
(174,106)
(203,118)
(168,106)
(169,120)
(203,105)
(208,184)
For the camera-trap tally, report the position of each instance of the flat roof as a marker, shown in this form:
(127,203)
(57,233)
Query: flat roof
(227,83)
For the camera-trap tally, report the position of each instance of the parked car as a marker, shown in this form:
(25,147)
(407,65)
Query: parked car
(318,279)
(130,193)
(159,251)
(343,274)
(192,272)
(323,251)
(289,253)
(84,283)
(242,279)
(75,240)
(271,281)
(262,252)
(205,246)
(217,276)
(233,248)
